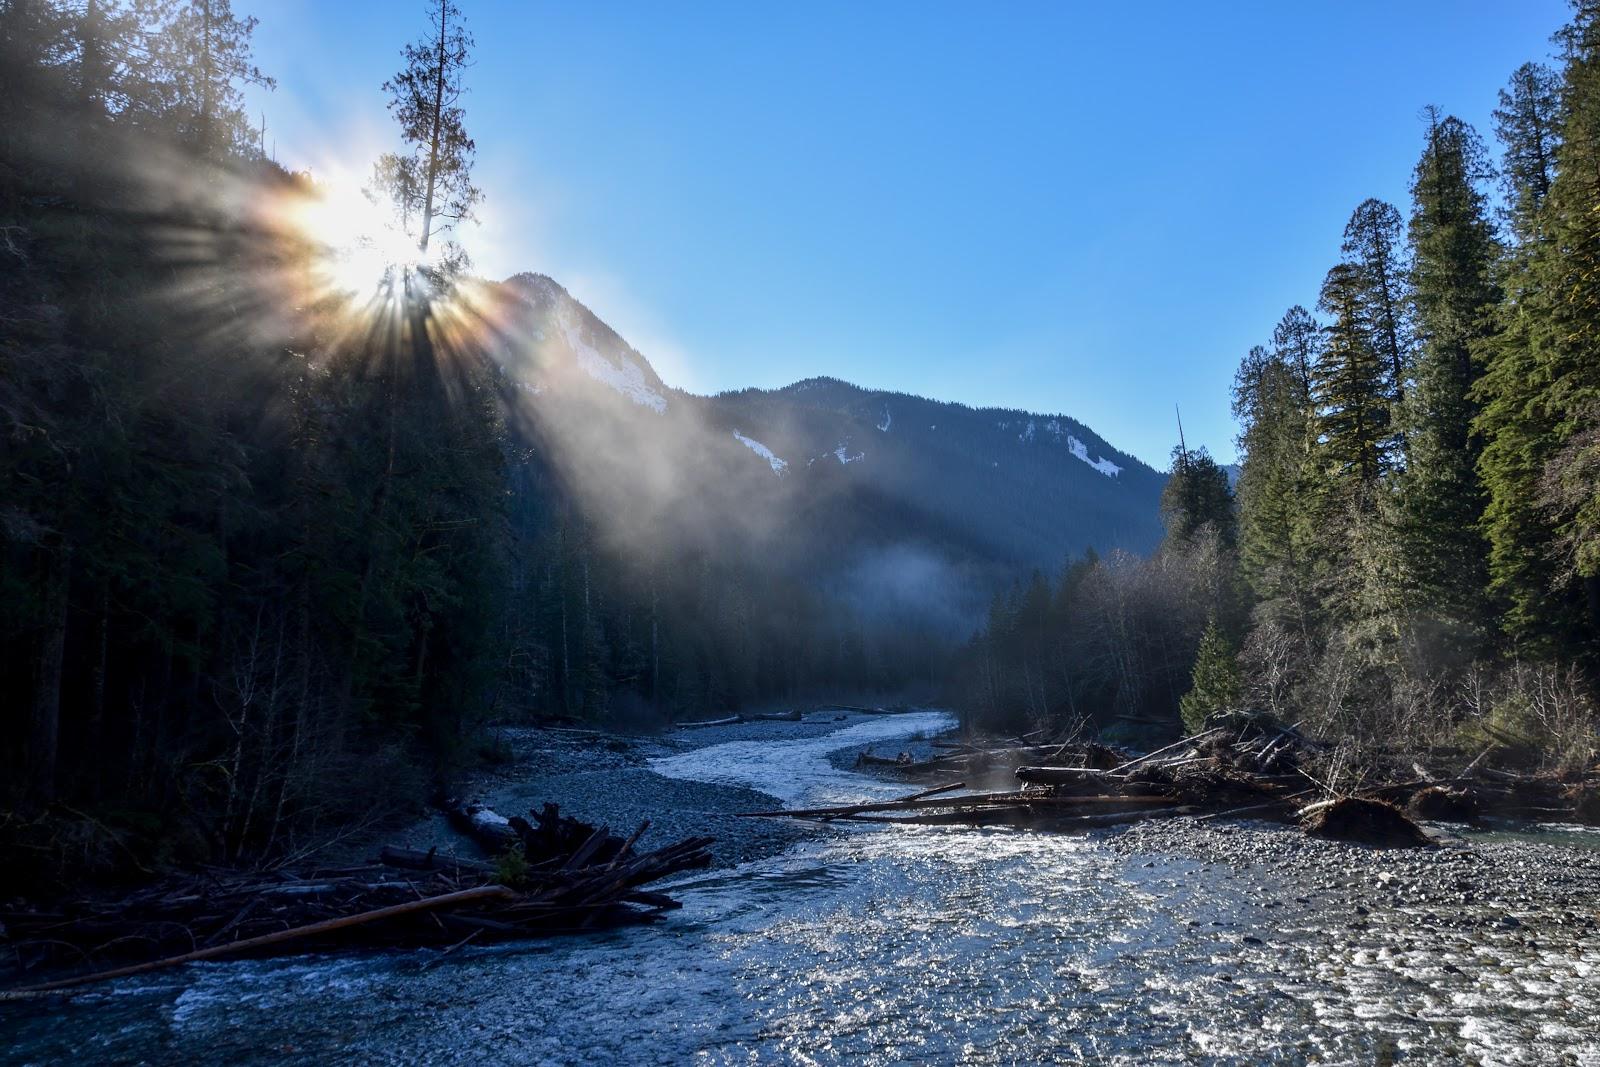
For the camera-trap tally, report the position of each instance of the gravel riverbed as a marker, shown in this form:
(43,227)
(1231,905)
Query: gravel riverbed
(608,779)
(1171,941)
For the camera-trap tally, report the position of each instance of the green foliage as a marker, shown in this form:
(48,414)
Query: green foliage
(1350,390)
(1373,246)
(1454,252)
(1217,685)
(1272,401)
(1449,482)
(1528,123)
(511,868)
(1197,497)
(1541,383)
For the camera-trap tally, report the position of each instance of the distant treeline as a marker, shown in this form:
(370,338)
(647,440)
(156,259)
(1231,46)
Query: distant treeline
(1414,549)
(268,563)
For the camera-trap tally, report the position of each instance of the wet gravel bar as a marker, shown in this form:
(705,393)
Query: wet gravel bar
(1172,941)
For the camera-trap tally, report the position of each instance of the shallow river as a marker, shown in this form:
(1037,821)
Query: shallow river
(886,946)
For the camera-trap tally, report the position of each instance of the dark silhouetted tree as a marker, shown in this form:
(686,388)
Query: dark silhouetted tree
(435,186)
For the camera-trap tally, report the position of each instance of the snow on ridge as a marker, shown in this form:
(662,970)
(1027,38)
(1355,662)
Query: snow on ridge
(1081,450)
(625,378)
(778,465)
(1055,429)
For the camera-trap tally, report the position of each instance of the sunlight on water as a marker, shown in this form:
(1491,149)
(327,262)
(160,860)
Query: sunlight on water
(906,946)
(797,769)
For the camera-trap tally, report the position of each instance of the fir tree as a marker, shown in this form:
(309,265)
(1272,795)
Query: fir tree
(1374,245)
(1297,344)
(435,188)
(1350,389)
(204,49)
(1542,383)
(1271,402)
(1197,497)
(1527,123)
(1453,253)
(1568,363)
(1217,683)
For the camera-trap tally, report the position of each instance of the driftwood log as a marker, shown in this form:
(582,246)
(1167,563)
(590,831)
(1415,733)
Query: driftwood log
(1240,766)
(556,875)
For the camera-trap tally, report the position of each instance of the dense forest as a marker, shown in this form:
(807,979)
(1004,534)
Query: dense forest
(271,549)
(275,547)
(1412,549)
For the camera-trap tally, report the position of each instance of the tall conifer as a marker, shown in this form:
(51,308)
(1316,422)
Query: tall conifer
(1541,386)
(1453,254)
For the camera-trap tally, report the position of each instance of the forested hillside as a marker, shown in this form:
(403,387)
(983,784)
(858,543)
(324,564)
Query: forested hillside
(290,509)
(1025,488)
(1412,549)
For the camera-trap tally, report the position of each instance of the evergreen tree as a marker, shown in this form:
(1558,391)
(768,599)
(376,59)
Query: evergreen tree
(435,187)
(1568,364)
(1527,124)
(203,51)
(1541,382)
(1453,253)
(1217,684)
(1374,245)
(1351,390)
(1271,403)
(1197,497)
(1297,344)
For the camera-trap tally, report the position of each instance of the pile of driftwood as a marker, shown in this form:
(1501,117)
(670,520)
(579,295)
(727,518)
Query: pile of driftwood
(1243,765)
(794,715)
(978,761)
(553,874)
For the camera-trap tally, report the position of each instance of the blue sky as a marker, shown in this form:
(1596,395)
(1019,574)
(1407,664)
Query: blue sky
(1064,207)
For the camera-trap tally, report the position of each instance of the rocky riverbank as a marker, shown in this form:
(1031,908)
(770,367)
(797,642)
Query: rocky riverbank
(1175,941)
(608,779)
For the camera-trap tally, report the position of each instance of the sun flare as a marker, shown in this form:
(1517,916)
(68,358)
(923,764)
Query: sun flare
(359,247)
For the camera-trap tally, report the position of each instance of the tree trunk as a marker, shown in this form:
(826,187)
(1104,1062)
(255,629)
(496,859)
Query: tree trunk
(207,74)
(438,116)
(45,727)
(91,66)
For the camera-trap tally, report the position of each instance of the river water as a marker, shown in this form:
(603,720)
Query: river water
(898,945)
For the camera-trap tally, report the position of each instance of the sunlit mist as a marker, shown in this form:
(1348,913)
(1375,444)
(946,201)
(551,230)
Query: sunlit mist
(359,247)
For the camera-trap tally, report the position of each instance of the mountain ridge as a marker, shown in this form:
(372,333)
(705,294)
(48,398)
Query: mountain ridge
(1018,489)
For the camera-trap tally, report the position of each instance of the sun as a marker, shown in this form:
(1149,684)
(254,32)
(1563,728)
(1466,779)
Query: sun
(359,248)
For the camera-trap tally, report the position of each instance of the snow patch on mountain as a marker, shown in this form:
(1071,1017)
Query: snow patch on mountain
(845,456)
(888,420)
(1055,429)
(627,379)
(1081,450)
(778,465)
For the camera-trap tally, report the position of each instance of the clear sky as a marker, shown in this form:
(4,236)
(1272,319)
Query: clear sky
(1086,208)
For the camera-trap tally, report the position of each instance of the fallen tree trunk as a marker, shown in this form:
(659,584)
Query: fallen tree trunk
(328,926)
(732,720)
(1060,775)
(923,795)
(412,859)
(490,831)
(564,875)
